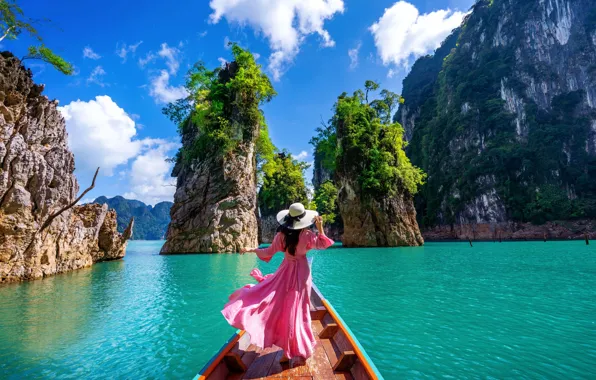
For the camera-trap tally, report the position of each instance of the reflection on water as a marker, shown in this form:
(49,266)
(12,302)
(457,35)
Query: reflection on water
(59,312)
(511,310)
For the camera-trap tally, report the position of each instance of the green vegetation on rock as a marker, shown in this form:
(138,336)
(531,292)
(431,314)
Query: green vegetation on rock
(371,145)
(466,139)
(224,106)
(371,150)
(282,184)
(325,202)
(223,109)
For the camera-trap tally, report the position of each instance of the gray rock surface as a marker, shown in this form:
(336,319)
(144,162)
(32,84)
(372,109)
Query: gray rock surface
(388,222)
(37,180)
(215,204)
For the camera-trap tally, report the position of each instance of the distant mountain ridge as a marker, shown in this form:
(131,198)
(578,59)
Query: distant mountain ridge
(151,222)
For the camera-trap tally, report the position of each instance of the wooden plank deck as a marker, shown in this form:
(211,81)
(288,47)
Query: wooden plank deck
(265,364)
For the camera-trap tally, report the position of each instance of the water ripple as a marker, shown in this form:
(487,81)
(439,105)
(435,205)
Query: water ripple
(510,310)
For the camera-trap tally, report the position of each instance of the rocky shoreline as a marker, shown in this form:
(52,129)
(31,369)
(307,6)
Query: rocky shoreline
(512,231)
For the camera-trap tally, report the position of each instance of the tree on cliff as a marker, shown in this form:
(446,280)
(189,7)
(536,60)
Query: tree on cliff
(369,181)
(283,184)
(210,105)
(325,202)
(362,152)
(372,146)
(225,152)
(211,102)
(13,22)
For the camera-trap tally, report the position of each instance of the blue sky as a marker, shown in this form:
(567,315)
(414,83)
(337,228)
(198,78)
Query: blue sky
(131,57)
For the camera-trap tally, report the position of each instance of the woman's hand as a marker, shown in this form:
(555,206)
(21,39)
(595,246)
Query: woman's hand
(319,224)
(244,250)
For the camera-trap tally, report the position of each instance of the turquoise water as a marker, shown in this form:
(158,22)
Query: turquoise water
(509,310)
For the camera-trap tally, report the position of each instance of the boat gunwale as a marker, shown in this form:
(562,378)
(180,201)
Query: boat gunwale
(366,361)
(219,355)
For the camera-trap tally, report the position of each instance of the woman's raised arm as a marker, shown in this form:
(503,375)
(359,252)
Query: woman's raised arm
(320,240)
(267,253)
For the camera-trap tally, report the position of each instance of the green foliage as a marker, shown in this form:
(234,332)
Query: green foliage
(370,86)
(265,153)
(325,144)
(419,86)
(283,184)
(13,22)
(549,203)
(325,202)
(224,106)
(45,54)
(371,147)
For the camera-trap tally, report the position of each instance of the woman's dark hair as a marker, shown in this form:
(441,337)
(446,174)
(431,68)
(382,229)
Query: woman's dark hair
(291,238)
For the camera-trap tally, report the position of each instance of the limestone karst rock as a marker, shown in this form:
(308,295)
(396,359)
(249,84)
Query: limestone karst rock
(503,120)
(37,180)
(215,204)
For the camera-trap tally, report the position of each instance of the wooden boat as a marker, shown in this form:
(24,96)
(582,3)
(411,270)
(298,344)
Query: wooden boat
(338,355)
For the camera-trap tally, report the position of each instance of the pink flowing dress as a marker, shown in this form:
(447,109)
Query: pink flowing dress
(276,311)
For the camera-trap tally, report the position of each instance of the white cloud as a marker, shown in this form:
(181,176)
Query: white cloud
(150,179)
(89,53)
(285,23)
(161,90)
(203,34)
(97,76)
(301,156)
(353,54)
(100,133)
(171,55)
(122,51)
(222,61)
(149,57)
(402,32)
(391,73)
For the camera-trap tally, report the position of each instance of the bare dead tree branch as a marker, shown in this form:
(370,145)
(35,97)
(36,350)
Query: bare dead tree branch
(51,218)
(7,32)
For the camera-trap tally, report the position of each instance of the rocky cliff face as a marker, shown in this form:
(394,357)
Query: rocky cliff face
(388,222)
(418,87)
(507,131)
(36,181)
(557,230)
(320,173)
(267,228)
(215,203)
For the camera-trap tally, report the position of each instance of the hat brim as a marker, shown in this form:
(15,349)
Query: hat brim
(307,220)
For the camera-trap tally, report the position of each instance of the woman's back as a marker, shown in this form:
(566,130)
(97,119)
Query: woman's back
(307,240)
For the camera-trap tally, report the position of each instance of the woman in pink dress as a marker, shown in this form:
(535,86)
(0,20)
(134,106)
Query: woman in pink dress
(276,311)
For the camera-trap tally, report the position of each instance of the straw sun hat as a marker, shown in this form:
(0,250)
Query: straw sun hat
(296,217)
